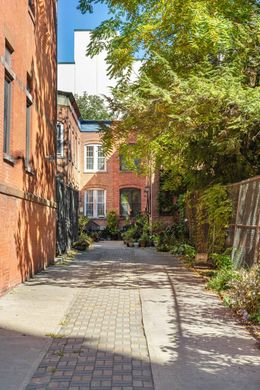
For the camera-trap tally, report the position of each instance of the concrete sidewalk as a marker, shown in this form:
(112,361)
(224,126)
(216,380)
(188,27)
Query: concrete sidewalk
(122,318)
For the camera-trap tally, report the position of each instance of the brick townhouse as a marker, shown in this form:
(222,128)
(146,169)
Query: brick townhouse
(27,138)
(84,174)
(68,170)
(106,182)
(100,183)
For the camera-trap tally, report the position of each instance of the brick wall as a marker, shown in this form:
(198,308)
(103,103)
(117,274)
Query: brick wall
(27,194)
(112,181)
(68,171)
(69,165)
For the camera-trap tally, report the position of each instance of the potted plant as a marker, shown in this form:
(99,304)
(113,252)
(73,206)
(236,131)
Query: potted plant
(112,225)
(130,242)
(143,241)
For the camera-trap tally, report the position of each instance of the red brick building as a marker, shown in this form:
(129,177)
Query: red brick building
(106,184)
(68,170)
(27,138)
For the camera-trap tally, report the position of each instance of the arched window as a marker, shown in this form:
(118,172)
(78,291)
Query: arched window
(130,202)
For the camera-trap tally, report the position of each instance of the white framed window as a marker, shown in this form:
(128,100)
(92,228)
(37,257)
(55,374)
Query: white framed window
(60,140)
(95,203)
(94,158)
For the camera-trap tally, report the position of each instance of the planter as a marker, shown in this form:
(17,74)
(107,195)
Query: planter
(142,244)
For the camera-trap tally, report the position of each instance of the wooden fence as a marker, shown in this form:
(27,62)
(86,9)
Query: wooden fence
(244,229)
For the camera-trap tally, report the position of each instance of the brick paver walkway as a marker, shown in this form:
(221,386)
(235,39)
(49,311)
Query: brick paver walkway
(101,344)
(140,320)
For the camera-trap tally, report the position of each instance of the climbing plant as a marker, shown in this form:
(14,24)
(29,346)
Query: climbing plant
(215,209)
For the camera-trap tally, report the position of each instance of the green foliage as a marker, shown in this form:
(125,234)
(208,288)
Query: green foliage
(82,223)
(222,260)
(112,223)
(222,280)
(92,107)
(165,201)
(83,242)
(196,103)
(144,237)
(130,234)
(214,209)
(245,294)
(187,251)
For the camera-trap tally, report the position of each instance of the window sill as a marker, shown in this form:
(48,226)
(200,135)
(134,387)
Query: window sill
(98,218)
(29,170)
(10,73)
(9,159)
(95,171)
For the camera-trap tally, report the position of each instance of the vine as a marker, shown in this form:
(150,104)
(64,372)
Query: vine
(215,209)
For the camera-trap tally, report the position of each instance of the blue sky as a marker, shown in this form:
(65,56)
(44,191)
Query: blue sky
(69,19)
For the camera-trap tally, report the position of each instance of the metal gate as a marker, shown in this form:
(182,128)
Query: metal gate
(67,216)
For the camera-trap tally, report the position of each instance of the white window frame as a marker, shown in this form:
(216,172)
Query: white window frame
(79,163)
(95,157)
(61,154)
(95,203)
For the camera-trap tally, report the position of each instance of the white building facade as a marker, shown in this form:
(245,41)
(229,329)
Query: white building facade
(86,74)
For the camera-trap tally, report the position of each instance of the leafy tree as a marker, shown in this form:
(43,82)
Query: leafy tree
(93,107)
(195,108)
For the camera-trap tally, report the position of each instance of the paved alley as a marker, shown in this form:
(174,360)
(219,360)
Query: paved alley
(122,318)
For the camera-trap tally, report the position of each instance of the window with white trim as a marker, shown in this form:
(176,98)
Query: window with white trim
(60,140)
(130,202)
(95,203)
(95,160)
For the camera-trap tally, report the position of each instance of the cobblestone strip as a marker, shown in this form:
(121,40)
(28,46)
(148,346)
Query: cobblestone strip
(101,345)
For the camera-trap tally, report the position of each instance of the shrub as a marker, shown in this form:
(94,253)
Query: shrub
(214,209)
(185,250)
(245,294)
(163,248)
(189,253)
(222,280)
(130,234)
(82,223)
(83,242)
(221,261)
(112,224)
(144,237)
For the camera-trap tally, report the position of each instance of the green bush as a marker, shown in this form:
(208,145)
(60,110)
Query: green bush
(83,242)
(214,208)
(82,223)
(222,280)
(163,248)
(112,224)
(130,234)
(222,260)
(245,294)
(183,249)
